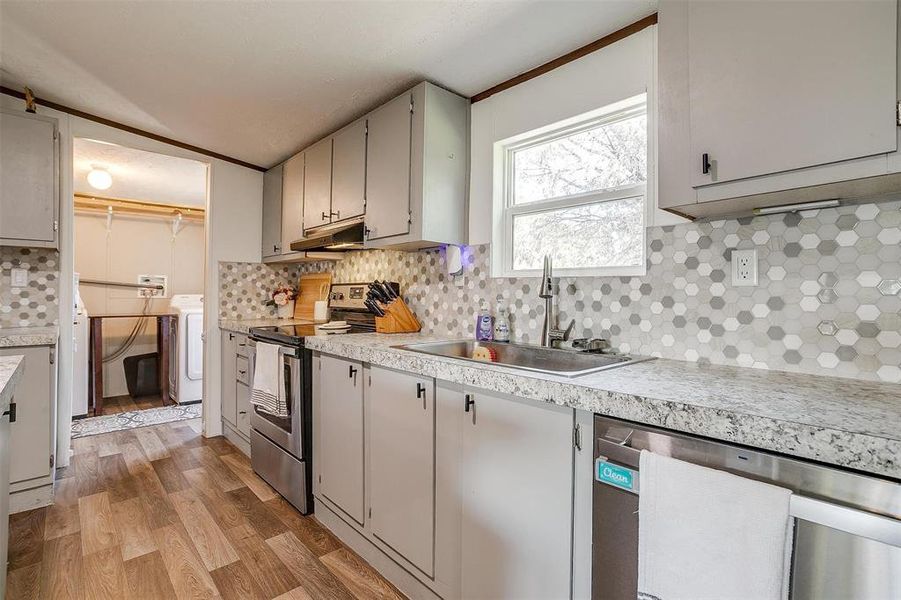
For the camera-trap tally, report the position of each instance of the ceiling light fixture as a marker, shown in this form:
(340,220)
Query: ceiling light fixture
(99,179)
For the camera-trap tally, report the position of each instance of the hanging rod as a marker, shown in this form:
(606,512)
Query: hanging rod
(100,203)
(139,286)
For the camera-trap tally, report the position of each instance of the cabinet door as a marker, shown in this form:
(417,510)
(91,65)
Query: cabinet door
(28,178)
(401,428)
(242,403)
(292,202)
(517,498)
(776,86)
(317,186)
(30,446)
(388,169)
(341,435)
(227,377)
(272,211)
(349,171)
(4,495)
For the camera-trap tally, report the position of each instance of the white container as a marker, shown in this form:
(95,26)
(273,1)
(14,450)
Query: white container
(286,311)
(320,310)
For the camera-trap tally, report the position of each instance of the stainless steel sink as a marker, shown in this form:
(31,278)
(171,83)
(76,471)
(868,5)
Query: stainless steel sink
(567,363)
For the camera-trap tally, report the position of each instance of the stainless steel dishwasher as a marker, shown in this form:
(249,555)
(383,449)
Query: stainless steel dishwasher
(847,529)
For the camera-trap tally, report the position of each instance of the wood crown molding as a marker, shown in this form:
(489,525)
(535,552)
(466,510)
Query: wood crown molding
(569,57)
(116,125)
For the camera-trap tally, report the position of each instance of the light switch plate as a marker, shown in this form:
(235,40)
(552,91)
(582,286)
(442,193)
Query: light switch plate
(18,277)
(744,268)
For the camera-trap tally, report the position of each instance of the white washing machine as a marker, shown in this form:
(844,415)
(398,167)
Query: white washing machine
(186,349)
(81,351)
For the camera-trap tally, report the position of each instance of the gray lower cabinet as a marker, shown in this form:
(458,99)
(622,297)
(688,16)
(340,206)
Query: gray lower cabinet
(31,440)
(471,492)
(29,180)
(5,426)
(516,481)
(341,434)
(401,451)
(236,378)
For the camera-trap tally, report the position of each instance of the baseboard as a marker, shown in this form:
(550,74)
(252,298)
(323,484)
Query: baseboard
(31,499)
(232,435)
(381,562)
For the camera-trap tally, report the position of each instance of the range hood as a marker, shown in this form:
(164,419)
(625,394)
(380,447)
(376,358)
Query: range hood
(344,237)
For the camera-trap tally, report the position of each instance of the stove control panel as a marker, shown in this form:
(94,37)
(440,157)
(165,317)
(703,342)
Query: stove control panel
(351,296)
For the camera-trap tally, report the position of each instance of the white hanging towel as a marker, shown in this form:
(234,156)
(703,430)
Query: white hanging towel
(707,534)
(268,385)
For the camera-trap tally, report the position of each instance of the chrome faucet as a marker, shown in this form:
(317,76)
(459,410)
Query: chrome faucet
(551,335)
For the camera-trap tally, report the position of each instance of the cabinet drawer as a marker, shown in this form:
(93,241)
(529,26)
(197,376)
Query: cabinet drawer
(243,406)
(242,370)
(241,344)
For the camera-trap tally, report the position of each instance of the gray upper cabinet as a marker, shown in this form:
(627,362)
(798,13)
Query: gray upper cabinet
(317,206)
(29,180)
(349,172)
(813,105)
(417,150)
(292,201)
(388,170)
(272,211)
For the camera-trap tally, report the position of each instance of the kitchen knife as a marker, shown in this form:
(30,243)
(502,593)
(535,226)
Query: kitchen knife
(388,290)
(374,308)
(376,294)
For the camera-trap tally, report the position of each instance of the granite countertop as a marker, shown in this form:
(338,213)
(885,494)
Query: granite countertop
(11,369)
(846,422)
(11,337)
(244,325)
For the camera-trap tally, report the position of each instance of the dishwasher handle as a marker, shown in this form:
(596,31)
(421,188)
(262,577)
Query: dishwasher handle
(850,520)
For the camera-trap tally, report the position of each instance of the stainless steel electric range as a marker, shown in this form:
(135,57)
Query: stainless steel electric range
(281,447)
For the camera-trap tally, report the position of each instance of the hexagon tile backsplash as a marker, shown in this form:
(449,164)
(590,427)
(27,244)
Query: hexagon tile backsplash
(828,299)
(37,304)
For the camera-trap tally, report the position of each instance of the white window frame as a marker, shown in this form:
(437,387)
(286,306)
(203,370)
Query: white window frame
(505,210)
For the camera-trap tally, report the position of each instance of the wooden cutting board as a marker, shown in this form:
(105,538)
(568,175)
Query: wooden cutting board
(310,288)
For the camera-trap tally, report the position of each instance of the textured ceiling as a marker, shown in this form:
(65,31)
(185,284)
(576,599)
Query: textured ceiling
(258,80)
(140,175)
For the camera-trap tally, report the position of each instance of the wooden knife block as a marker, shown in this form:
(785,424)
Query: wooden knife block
(398,319)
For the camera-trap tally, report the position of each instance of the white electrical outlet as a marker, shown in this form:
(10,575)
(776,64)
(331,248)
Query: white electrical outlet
(18,277)
(153,280)
(744,268)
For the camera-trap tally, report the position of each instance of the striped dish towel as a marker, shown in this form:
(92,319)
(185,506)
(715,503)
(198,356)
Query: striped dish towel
(268,391)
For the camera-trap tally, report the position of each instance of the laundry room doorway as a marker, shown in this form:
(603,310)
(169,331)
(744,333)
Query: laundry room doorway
(139,254)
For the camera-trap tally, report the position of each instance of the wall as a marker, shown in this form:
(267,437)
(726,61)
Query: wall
(134,245)
(619,71)
(36,305)
(828,299)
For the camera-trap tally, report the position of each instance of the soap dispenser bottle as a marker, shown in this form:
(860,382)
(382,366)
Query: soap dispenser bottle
(501,322)
(484,325)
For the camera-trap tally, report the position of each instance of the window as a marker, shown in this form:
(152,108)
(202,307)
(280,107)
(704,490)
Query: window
(578,194)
